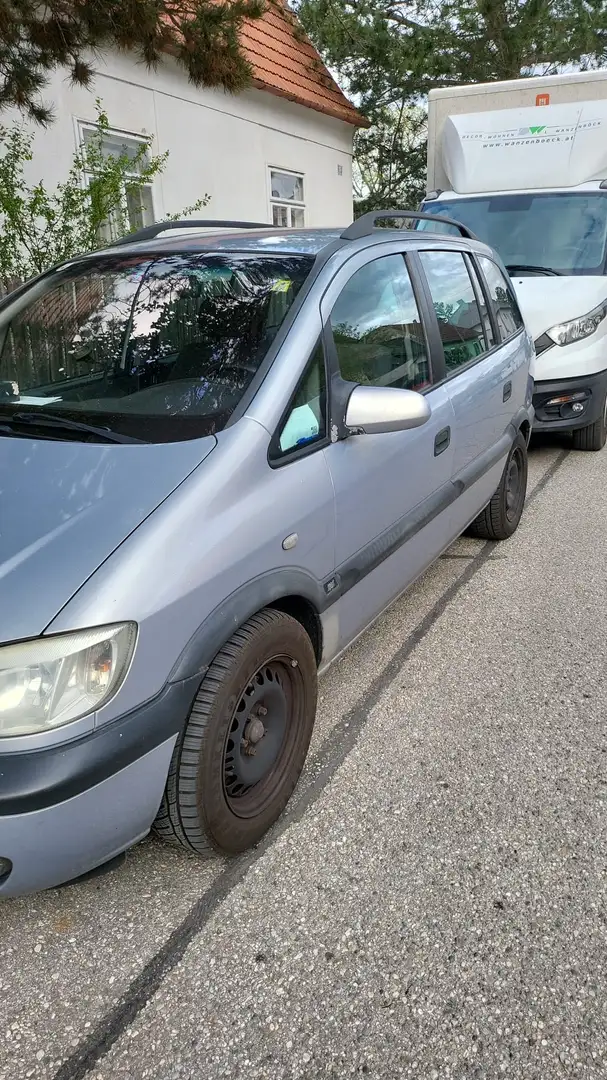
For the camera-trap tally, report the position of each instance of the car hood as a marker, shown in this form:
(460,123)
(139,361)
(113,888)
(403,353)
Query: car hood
(65,507)
(547,301)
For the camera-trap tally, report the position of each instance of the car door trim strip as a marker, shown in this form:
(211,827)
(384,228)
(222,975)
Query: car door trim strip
(368,558)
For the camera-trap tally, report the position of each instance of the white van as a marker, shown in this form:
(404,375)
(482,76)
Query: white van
(523,164)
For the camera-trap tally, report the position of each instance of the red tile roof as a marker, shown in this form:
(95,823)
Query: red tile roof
(285,62)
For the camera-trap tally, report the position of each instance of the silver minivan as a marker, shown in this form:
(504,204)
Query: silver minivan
(223,453)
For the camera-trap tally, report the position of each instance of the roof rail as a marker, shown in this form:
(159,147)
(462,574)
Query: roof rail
(364,226)
(152,231)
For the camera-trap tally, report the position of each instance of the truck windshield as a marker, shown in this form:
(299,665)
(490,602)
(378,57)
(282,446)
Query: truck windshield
(565,232)
(159,349)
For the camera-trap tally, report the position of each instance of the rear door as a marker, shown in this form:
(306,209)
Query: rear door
(508,329)
(479,373)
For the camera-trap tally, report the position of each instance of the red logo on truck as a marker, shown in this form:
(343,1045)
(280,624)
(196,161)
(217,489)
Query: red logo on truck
(542,99)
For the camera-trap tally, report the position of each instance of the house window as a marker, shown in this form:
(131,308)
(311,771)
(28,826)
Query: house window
(287,199)
(137,200)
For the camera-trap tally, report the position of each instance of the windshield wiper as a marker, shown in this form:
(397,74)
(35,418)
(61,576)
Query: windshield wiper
(524,268)
(61,423)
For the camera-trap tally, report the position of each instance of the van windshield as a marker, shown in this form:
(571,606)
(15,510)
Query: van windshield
(566,231)
(160,349)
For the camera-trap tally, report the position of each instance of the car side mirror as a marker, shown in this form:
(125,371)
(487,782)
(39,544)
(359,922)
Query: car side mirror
(373,410)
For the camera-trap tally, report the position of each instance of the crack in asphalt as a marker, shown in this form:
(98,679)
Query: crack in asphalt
(323,765)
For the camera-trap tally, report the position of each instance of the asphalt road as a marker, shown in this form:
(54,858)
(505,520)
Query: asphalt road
(432,905)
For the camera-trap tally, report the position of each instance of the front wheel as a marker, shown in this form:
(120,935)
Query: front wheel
(246,740)
(500,518)
(594,436)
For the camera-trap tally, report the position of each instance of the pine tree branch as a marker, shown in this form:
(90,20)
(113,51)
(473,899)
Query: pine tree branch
(202,35)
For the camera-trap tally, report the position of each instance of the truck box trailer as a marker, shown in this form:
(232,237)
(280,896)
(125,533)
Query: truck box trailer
(524,165)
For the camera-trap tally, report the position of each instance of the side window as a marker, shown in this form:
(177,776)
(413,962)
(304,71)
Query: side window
(482,302)
(459,319)
(306,420)
(507,312)
(377,329)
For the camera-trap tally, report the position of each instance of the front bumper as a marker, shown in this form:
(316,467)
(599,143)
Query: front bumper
(589,392)
(68,809)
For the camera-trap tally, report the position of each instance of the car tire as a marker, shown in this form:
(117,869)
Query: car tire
(245,742)
(594,436)
(500,518)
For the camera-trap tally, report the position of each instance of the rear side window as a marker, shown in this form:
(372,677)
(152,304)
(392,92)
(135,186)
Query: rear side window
(459,319)
(481,297)
(377,330)
(507,313)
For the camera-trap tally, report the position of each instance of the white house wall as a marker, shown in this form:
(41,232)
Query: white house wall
(218,144)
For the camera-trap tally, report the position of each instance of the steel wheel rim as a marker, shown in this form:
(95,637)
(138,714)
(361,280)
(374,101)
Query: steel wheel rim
(261,736)
(514,487)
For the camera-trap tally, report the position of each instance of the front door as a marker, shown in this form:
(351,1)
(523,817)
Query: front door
(391,490)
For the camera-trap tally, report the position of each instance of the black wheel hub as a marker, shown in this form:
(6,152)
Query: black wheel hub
(514,477)
(258,730)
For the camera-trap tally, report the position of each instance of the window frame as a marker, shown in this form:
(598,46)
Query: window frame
(481,298)
(82,126)
(290,204)
(277,458)
(477,256)
(418,297)
(481,285)
(477,282)
(337,389)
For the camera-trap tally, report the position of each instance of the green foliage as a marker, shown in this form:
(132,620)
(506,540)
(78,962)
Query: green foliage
(40,228)
(202,35)
(394,50)
(390,160)
(390,53)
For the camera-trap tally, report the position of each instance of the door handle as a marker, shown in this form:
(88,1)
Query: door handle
(507,391)
(442,441)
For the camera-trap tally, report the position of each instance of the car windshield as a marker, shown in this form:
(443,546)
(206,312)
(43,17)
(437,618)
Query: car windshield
(564,232)
(160,349)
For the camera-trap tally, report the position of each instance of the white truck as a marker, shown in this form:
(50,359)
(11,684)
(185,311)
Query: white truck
(524,165)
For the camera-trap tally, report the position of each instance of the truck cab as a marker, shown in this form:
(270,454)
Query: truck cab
(531,181)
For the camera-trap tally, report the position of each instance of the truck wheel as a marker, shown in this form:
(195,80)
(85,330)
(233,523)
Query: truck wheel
(245,743)
(594,436)
(500,518)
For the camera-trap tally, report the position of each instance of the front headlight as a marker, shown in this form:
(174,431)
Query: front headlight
(51,681)
(568,332)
